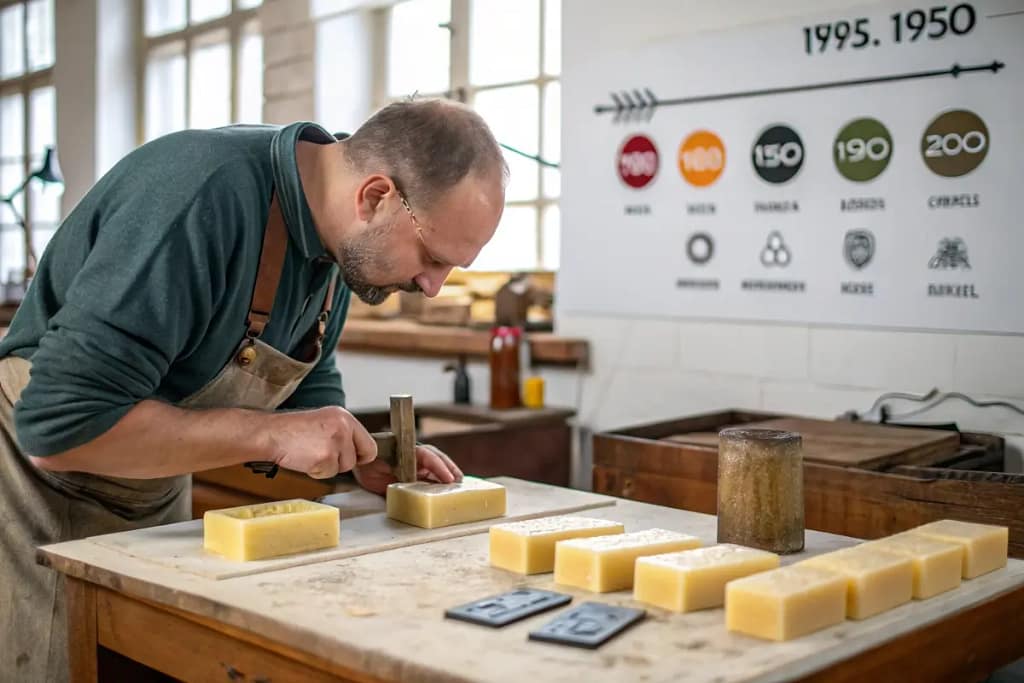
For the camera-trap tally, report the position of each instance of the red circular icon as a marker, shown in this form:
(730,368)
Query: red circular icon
(638,161)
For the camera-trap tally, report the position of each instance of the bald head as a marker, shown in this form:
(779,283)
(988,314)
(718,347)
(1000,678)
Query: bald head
(428,146)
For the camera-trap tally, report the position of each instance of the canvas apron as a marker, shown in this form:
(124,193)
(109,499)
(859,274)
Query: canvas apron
(39,507)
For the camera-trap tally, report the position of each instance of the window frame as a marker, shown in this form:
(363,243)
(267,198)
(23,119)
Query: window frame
(23,86)
(235,22)
(460,88)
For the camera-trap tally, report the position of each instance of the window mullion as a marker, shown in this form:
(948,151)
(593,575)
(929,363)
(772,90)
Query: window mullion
(26,138)
(235,46)
(26,121)
(188,81)
(541,97)
(141,67)
(381,34)
(459,51)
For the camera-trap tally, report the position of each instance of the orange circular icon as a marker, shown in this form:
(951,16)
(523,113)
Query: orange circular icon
(701,158)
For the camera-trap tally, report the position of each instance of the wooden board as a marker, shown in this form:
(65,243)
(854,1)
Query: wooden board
(853,444)
(180,546)
(380,615)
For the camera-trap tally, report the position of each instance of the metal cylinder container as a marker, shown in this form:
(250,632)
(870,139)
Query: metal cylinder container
(760,489)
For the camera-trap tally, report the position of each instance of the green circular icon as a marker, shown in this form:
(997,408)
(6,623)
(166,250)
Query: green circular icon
(955,143)
(862,149)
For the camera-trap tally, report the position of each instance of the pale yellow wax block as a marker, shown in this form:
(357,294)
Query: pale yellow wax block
(937,564)
(695,579)
(985,545)
(605,563)
(529,547)
(878,581)
(428,505)
(256,532)
(785,603)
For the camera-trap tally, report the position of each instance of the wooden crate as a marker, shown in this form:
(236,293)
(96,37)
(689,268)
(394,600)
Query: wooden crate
(640,464)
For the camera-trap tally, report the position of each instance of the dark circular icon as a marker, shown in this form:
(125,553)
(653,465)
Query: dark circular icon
(775,252)
(955,143)
(778,154)
(859,248)
(700,247)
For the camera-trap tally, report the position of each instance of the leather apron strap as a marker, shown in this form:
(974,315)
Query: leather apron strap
(275,244)
(268,277)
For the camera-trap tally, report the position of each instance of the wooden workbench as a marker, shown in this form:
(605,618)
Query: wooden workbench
(379,617)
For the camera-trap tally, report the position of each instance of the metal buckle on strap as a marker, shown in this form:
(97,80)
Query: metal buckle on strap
(247,354)
(321,326)
(258,320)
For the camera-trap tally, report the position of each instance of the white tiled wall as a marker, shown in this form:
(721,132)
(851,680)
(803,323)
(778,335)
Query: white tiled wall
(769,351)
(867,358)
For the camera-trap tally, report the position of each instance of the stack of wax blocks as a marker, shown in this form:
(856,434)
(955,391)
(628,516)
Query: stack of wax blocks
(864,580)
(429,505)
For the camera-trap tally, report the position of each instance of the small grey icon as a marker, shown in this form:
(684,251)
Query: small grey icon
(700,247)
(775,252)
(952,253)
(859,247)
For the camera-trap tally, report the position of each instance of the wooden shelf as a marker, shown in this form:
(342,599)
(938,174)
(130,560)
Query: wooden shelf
(406,337)
(411,338)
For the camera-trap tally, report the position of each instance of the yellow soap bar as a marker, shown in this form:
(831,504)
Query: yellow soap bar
(785,603)
(605,563)
(985,545)
(428,505)
(529,547)
(878,581)
(695,579)
(937,564)
(256,532)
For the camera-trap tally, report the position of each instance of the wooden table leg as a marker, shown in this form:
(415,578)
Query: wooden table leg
(82,642)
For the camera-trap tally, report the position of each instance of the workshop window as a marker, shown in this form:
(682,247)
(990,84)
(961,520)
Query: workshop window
(503,58)
(203,65)
(27,127)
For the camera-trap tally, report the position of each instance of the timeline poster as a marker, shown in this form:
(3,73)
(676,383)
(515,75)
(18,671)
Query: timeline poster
(863,167)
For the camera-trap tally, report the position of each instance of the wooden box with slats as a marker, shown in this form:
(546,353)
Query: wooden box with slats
(860,479)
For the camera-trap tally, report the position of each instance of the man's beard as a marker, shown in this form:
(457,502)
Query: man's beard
(362,252)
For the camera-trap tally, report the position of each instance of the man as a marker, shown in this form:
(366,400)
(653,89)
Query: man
(184,317)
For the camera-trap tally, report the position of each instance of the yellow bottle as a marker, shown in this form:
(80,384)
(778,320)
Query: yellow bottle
(533,392)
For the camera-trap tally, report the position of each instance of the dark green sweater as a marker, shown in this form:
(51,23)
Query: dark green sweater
(144,291)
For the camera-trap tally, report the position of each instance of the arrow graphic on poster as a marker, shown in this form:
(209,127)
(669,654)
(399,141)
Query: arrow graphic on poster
(635,103)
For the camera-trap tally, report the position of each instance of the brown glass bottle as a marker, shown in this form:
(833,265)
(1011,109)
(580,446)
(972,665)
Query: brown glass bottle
(504,363)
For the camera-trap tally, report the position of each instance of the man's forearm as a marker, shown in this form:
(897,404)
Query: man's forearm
(155,439)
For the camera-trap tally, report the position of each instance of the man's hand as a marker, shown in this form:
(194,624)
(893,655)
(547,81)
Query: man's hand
(431,465)
(320,443)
